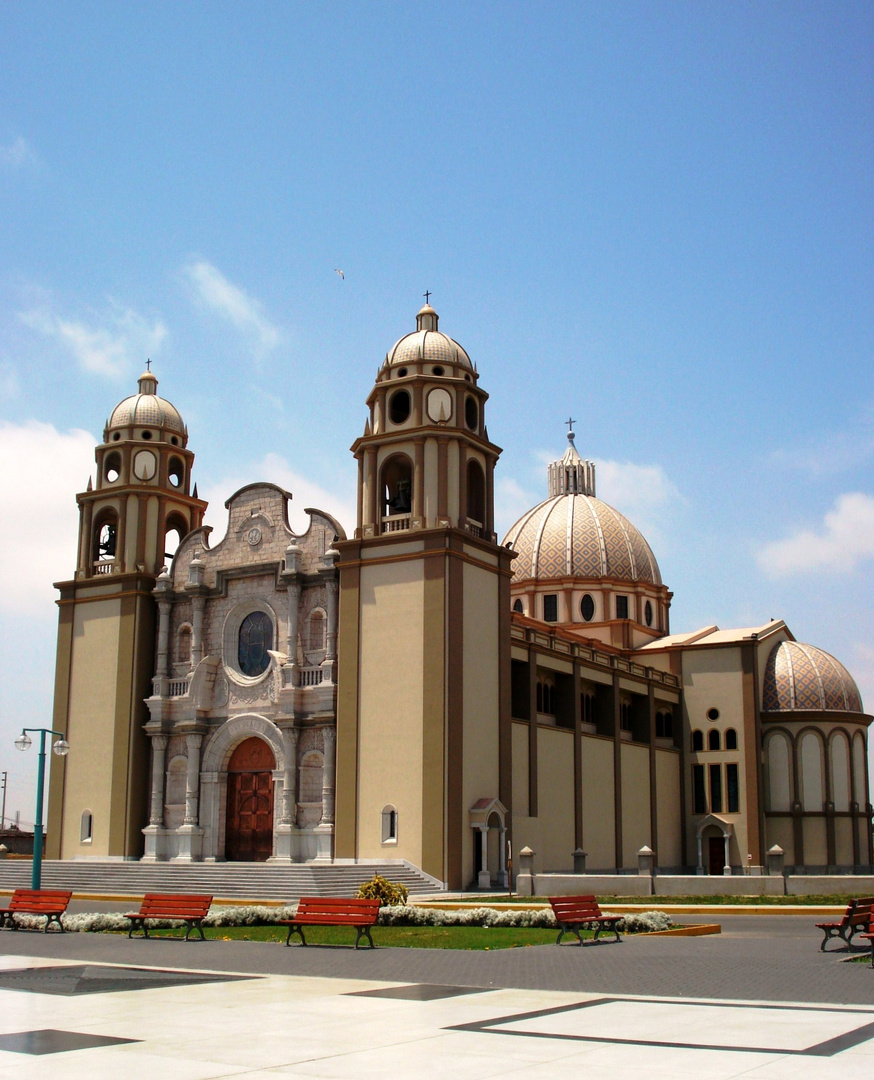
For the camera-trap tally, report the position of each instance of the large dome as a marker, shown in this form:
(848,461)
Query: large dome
(146,409)
(579,536)
(800,678)
(427,345)
(574,535)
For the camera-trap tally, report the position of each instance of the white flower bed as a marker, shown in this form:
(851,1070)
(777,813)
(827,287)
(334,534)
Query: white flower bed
(401,915)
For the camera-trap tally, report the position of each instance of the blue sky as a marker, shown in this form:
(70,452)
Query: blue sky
(655,217)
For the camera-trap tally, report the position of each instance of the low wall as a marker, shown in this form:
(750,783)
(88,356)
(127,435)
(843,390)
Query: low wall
(694,885)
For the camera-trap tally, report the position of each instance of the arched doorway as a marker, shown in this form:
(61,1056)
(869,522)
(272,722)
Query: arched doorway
(249,836)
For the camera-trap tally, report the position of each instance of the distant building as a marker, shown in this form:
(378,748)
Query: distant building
(418,690)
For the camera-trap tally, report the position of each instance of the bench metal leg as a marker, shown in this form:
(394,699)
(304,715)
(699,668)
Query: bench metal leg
(195,924)
(295,930)
(363,931)
(566,929)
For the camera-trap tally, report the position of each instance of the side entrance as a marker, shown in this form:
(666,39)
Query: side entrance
(249,835)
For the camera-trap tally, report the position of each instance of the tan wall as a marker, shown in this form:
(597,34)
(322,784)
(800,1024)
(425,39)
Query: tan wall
(779,831)
(520,775)
(481,697)
(91,726)
(670,825)
(635,802)
(598,833)
(815,849)
(390,708)
(555,795)
(844,841)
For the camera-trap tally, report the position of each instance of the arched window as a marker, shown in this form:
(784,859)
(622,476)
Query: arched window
(811,772)
(731,739)
(389,825)
(254,642)
(476,493)
(779,785)
(713,739)
(664,725)
(859,793)
(183,645)
(539,693)
(697,741)
(105,537)
(86,826)
(625,716)
(518,606)
(175,530)
(840,757)
(397,486)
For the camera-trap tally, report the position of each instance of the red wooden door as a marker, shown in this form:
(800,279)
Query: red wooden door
(249,835)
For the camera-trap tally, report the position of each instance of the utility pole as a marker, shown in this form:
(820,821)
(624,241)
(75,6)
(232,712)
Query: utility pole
(3,776)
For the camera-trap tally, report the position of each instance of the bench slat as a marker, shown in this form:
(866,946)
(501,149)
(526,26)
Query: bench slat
(182,907)
(333,911)
(52,903)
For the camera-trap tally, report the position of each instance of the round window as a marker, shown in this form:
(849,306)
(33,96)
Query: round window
(587,608)
(255,639)
(471,413)
(647,613)
(438,371)
(402,372)
(712,714)
(399,407)
(146,435)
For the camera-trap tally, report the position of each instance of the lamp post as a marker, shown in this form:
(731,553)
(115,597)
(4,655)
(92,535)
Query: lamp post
(61,748)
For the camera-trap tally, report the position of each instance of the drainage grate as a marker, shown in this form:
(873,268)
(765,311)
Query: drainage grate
(76,979)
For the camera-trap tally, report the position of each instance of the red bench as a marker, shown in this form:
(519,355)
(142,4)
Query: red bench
(855,920)
(869,934)
(575,913)
(323,911)
(178,906)
(49,902)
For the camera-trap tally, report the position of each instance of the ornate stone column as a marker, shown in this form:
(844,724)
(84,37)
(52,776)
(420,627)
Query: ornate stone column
(192,780)
(329,576)
(196,589)
(289,777)
(329,741)
(159,747)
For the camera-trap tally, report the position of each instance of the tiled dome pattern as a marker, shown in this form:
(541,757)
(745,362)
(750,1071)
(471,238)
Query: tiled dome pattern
(428,346)
(147,410)
(580,536)
(802,678)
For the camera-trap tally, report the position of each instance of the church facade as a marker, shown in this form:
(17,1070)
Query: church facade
(420,689)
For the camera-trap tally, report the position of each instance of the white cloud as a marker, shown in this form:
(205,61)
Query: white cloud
(10,386)
(18,154)
(274,469)
(636,490)
(845,539)
(231,302)
(41,469)
(123,343)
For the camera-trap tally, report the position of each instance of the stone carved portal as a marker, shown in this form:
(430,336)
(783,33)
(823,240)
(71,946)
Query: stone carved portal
(249,835)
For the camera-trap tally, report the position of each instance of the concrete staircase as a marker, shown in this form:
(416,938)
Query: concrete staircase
(227,881)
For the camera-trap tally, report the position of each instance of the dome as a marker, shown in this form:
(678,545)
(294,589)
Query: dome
(145,408)
(801,678)
(573,534)
(427,345)
(580,536)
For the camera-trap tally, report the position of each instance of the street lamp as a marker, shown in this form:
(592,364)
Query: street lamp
(61,747)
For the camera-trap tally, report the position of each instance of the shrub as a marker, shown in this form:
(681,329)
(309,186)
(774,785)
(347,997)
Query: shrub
(387,893)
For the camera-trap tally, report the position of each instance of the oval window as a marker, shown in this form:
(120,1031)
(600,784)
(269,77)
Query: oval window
(471,413)
(256,638)
(647,613)
(399,407)
(587,608)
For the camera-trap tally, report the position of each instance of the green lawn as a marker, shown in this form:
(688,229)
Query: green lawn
(402,937)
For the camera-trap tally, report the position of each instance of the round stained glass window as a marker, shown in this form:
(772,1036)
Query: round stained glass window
(587,608)
(256,637)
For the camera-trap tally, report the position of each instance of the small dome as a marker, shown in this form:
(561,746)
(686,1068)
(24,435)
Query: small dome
(579,536)
(801,678)
(146,409)
(427,345)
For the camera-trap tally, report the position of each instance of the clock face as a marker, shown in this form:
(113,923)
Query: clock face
(145,465)
(439,405)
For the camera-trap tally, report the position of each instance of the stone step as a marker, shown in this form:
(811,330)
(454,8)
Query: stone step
(252,881)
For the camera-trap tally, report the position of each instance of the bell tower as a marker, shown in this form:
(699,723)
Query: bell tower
(424,707)
(130,523)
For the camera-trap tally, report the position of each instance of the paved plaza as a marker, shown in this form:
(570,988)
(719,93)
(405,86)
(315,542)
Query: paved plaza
(758,1001)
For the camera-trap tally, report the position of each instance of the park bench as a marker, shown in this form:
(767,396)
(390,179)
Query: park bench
(869,935)
(178,906)
(575,913)
(855,920)
(49,902)
(324,911)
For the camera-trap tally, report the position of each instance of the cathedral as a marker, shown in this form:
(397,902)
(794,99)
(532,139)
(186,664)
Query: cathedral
(418,689)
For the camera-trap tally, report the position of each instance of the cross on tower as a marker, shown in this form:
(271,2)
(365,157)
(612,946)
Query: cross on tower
(148,365)
(427,295)
(570,423)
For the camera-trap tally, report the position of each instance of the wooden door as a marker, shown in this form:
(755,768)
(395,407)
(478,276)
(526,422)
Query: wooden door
(249,835)
(717,854)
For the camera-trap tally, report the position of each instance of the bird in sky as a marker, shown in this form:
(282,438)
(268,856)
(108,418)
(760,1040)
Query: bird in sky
(340,272)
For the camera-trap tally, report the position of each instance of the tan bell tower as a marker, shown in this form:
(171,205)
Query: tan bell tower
(130,523)
(423,729)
